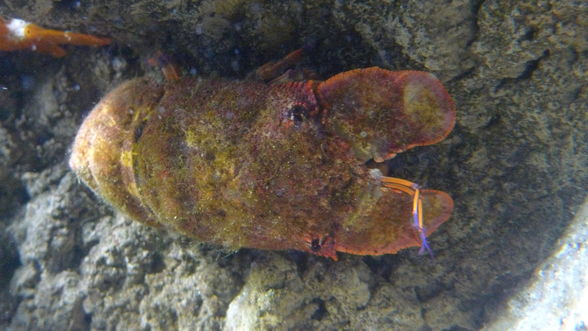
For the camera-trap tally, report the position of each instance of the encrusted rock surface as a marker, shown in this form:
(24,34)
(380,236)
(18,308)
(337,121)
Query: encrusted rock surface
(516,165)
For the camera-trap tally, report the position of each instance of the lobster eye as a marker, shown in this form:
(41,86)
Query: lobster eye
(315,245)
(297,114)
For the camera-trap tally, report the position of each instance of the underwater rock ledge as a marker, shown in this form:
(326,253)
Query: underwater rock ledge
(515,166)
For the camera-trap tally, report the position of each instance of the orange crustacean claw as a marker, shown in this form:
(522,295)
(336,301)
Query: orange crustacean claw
(16,34)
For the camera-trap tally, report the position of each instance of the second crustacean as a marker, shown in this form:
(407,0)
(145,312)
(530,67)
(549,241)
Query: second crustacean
(271,166)
(16,34)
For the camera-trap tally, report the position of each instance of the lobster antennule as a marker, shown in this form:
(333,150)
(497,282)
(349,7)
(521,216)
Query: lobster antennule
(383,112)
(417,214)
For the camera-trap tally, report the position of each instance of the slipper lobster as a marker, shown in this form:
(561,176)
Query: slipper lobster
(271,166)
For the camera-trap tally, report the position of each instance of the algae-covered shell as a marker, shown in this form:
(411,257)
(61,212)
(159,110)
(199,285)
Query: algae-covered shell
(247,164)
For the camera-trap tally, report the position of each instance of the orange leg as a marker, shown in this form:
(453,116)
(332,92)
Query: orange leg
(413,190)
(170,70)
(272,70)
(51,49)
(37,33)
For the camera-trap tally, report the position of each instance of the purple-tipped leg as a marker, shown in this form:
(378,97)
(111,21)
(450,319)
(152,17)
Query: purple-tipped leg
(425,248)
(417,221)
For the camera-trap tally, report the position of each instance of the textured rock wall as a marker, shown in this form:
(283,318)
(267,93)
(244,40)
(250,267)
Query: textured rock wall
(516,165)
